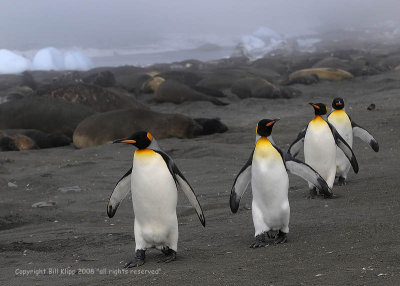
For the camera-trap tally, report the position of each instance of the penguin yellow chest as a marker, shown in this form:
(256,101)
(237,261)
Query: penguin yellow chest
(318,124)
(340,117)
(266,153)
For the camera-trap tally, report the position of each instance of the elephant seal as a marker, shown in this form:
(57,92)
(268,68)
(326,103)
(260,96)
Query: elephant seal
(175,92)
(105,127)
(46,114)
(7,144)
(152,84)
(211,126)
(329,74)
(98,98)
(254,87)
(41,139)
(23,142)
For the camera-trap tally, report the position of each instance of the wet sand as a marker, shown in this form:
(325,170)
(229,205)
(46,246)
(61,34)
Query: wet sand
(352,239)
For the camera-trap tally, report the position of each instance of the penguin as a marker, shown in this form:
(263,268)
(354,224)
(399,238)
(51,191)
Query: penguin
(320,139)
(266,169)
(347,128)
(153,181)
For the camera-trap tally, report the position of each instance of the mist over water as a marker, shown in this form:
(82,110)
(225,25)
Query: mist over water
(103,28)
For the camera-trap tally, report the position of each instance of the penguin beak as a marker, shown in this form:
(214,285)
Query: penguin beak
(125,140)
(314,105)
(273,122)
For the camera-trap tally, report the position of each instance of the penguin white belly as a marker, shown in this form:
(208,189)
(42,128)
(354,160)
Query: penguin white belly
(269,182)
(320,150)
(154,198)
(342,123)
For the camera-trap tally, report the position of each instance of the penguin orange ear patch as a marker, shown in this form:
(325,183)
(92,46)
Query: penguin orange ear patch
(316,106)
(149,136)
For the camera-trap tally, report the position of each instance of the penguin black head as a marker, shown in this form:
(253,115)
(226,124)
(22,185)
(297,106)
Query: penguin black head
(319,108)
(264,127)
(338,103)
(141,139)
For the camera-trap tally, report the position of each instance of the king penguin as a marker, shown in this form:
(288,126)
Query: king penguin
(266,169)
(347,129)
(320,139)
(153,181)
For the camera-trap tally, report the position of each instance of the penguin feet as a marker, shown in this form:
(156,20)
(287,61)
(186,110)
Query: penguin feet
(138,260)
(271,234)
(280,238)
(313,193)
(169,255)
(342,181)
(259,241)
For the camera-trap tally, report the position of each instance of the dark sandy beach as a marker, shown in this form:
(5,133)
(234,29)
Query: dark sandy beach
(352,239)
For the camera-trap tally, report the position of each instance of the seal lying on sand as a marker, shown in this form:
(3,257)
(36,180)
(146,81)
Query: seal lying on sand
(322,74)
(175,92)
(105,127)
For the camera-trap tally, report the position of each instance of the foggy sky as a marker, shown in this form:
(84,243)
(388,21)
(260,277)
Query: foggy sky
(33,24)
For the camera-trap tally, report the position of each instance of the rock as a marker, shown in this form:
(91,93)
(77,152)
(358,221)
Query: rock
(175,92)
(40,138)
(105,127)
(102,78)
(12,185)
(152,84)
(44,204)
(46,114)
(254,87)
(322,73)
(371,107)
(397,68)
(96,97)
(75,189)
(211,126)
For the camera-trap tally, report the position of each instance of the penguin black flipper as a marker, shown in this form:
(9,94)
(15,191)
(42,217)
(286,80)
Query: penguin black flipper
(120,191)
(181,181)
(295,147)
(240,184)
(305,171)
(364,135)
(342,144)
